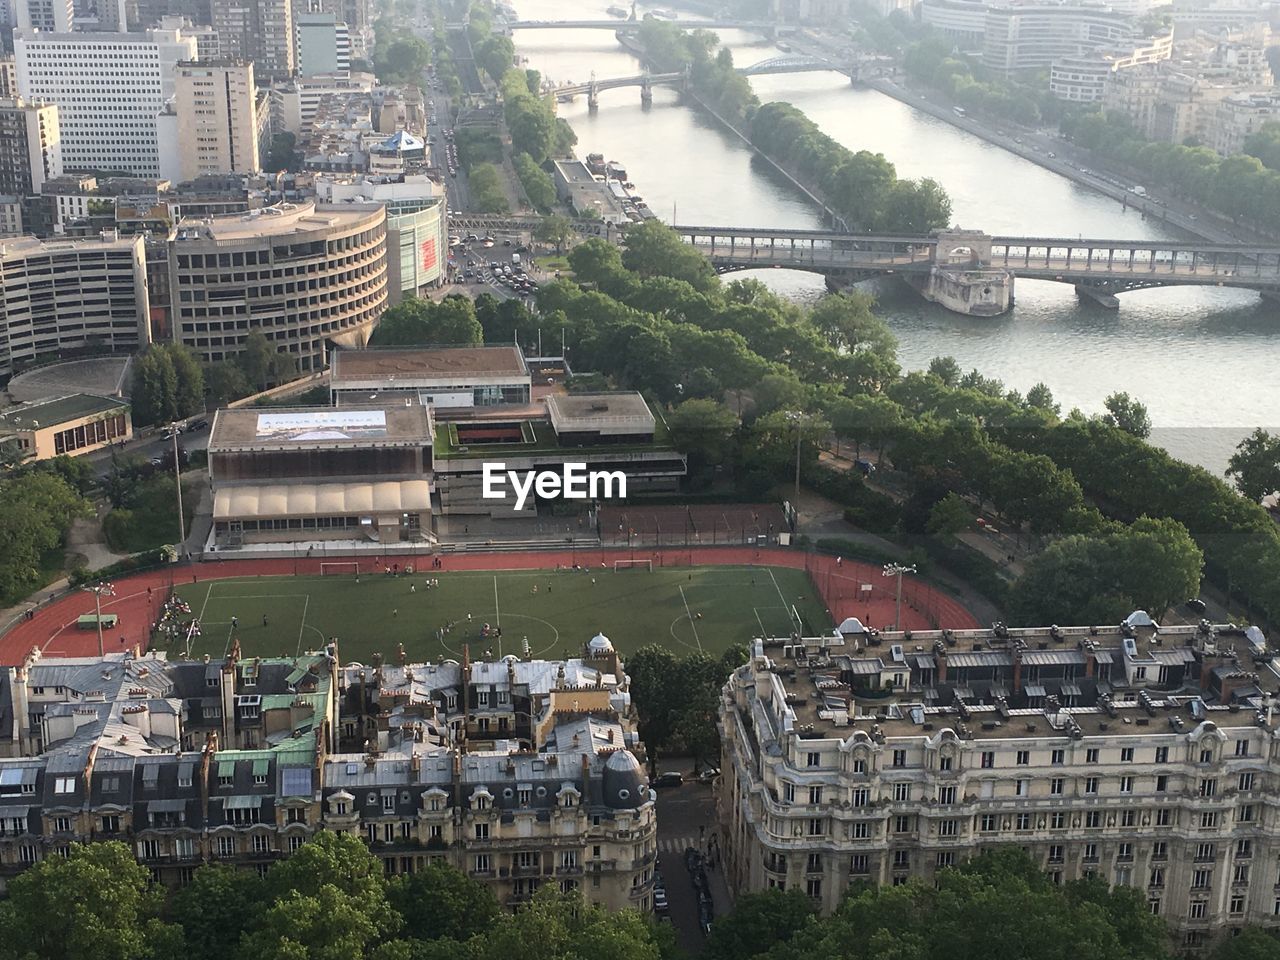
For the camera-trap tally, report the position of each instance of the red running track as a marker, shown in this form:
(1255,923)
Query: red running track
(52,626)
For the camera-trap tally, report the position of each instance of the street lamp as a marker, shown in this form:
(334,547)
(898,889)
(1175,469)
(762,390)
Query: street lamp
(99,590)
(177,474)
(897,570)
(798,418)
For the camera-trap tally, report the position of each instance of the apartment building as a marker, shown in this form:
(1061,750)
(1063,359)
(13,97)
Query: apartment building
(217,119)
(324,45)
(1023,38)
(69,294)
(1083,78)
(1144,755)
(49,16)
(257,30)
(518,772)
(308,276)
(109,88)
(1240,116)
(30,146)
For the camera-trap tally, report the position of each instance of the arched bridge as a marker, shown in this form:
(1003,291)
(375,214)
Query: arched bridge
(1100,269)
(774,65)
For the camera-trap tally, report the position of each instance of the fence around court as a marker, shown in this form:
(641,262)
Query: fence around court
(703,525)
(855,589)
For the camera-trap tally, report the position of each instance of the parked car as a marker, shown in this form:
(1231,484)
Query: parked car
(708,775)
(1196,604)
(660,904)
(200,424)
(669,779)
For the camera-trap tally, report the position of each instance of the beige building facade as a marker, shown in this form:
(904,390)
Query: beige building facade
(71,425)
(216,105)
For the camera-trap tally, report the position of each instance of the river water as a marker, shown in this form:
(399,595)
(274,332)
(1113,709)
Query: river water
(1206,362)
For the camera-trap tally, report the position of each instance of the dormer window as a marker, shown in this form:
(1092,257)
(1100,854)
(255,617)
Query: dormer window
(64,785)
(482,698)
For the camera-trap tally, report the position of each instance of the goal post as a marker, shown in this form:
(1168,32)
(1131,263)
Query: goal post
(339,568)
(633,565)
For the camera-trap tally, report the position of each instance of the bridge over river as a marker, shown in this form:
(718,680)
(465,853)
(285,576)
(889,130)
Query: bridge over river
(972,272)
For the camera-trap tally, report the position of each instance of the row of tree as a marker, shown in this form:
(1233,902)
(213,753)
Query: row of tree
(487,193)
(862,187)
(930,61)
(531,118)
(418,322)
(38,504)
(327,901)
(1239,187)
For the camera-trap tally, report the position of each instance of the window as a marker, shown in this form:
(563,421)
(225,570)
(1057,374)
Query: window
(1200,879)
(1124,851)
(1021,788)
(388,803)
(813,887)
(1157,877)
(1024,821)
(1198,909)
(1244,849)
(1153,903)
(862,831)
(816,826)
(1126,784)
(261,843)
(61,824)
(482,863)
(858,864)
(1126,754)
(1162,754)
(1055,853)
(901,859)
(988,759)
(1162,784)
(569,859)
(815,794)
(1240,874)
(859,766)
(1245,814)
(1246,781)
(814,863)
(899,758)
(788,792)
(946,795)
(1128,818)
(1236,906)
(1159,850)
(946,859)
(1206,755)
(482,831)
(226,846)
(813,760)
(1056,786)
(989,823)
(948,828)
(901,792)
(1091,755)
(1093,819)
(1208,787)
(901,824)
(861,797)
(1058,757)
(1242,748)
(64,785)
(1091,785)
(295,843)
(1206,851)
(1058,821)
(1164,817)
(1090,853)
(944,762)
(482,698)
(1208,820)
(1024,757)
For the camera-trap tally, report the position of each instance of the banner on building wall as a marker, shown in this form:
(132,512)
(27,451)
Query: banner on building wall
(429,254)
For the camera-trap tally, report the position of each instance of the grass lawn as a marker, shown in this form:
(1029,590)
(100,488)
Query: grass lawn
(706,608)
(553,262)
(152,521)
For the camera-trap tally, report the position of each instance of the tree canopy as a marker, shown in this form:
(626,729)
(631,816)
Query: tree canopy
(418,322)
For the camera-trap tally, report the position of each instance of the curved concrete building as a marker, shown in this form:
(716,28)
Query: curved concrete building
(1026,37)
(307,276)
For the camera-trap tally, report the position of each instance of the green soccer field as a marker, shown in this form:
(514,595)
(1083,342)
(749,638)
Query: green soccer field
(553,612)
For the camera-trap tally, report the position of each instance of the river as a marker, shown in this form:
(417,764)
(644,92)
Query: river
(1204,361)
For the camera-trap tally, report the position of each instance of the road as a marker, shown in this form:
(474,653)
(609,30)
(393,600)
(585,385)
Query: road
(687,818)
(152,446)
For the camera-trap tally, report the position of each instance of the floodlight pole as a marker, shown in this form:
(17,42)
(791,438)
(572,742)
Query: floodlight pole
(897,570)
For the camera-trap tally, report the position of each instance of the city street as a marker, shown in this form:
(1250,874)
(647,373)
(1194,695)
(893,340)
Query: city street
(686,818)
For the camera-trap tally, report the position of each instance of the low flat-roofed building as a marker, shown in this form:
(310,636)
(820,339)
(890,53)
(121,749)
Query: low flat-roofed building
(584,419)
(74,424)
(445,378)
(318,473)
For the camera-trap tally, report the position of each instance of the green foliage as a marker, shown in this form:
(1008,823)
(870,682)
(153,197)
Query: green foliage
(215,909)
(1256,465)
(401,58)
(1240,187)
(537,183)
(950,515)
(150,518)
(554,229)
(862,187)
(476,145)
(168,385)
(930,62)
(224,381)
(676,699)
(531,119)
(706,430)
(438,902)
(98,903)
(495,54)
(757,921)
(282,155)
(487,195)
(417,322)
(1250,944)
(1265,145)
(37,508)
(1127,414)
(655,250)
(1149,565)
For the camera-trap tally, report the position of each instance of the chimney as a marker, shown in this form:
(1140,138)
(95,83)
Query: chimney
(1090,662)
(1017,672)
(940,661)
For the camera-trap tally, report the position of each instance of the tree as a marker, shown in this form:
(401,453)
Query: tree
(946,369)
(555,229)
(655,250)
(487,195)
(756,922)
(1256,465)
(417,322)
(1127,414)
(339,862)
(437,902)
(255,359)
(847,323)
(282,154)
(705,429)
(1041,397)
(154,396)
(189,394)
(216,909)
(949,516)
(496,54)
(37,508)
(1251,943)
(595,261)
(325,925)
(402,60)
(224,381)
(96,903)
(536,182)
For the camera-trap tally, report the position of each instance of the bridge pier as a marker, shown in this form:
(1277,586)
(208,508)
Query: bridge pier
(646,92)
(593,97)
(1099,296)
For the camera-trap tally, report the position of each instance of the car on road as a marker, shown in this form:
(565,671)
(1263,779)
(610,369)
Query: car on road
(200,424)
(708,775)
(1197,605)
(669,779)
(660,904)
(506,242)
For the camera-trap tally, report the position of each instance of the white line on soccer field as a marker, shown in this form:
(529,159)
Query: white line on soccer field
(303,625)
(689,613)
(497,610)
(785,606)
(207,595)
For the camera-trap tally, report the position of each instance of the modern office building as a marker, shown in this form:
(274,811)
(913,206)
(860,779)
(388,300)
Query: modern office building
(260,31)
(294,102)
(1083,78)
(309,277)
(217,121)
(30,146)
(319,473)
(109,88)
(1140,754)
(1026,37)
(60,295)
(75,424)
(324,45)
(417,225)
(963,21)
(519,773)
(48,16)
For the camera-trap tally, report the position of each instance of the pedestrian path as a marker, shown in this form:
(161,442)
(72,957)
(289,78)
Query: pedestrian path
(677,845)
